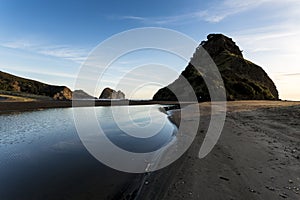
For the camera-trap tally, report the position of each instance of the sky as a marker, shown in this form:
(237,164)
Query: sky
(50,40)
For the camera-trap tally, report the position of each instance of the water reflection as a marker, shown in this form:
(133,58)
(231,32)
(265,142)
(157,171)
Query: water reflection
(136,130)
(42,157)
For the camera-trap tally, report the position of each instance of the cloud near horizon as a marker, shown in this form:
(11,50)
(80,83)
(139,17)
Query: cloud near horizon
(77,55)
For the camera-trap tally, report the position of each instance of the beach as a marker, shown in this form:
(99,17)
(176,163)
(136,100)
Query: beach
(256,157)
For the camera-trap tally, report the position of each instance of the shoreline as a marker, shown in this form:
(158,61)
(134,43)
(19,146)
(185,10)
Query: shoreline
(22,106)
(7,107)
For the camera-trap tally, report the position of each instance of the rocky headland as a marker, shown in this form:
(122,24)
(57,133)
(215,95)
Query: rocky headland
(243,80)
(21,86)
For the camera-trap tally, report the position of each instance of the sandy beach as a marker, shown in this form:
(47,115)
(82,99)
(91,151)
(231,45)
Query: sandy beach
(256,157)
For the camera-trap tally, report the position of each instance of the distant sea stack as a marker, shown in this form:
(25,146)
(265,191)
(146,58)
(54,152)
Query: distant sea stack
(109,93)
(13,83)
(243,79)
(80,94)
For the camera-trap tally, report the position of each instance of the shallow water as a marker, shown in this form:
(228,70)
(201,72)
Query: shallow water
(42,157)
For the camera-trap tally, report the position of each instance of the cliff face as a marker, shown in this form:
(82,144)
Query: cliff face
(109,93)
(10,82)
(243,79)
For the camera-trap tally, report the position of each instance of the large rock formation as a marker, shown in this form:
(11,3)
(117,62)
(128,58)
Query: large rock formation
(109,93)
(243,79)
(13,83)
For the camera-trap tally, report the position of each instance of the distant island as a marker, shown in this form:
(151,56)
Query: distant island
(80,94)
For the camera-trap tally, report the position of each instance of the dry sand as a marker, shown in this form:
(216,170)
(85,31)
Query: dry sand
(256,157)
(11,98)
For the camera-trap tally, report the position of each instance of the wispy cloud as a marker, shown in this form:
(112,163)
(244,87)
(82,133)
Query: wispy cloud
(70,53)
(291,74)
(41,72)
(74,54)
(134,18)
(160,20)
(213,14)
(281,39)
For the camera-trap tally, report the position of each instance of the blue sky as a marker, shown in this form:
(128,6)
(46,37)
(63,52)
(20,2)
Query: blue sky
(49,40)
